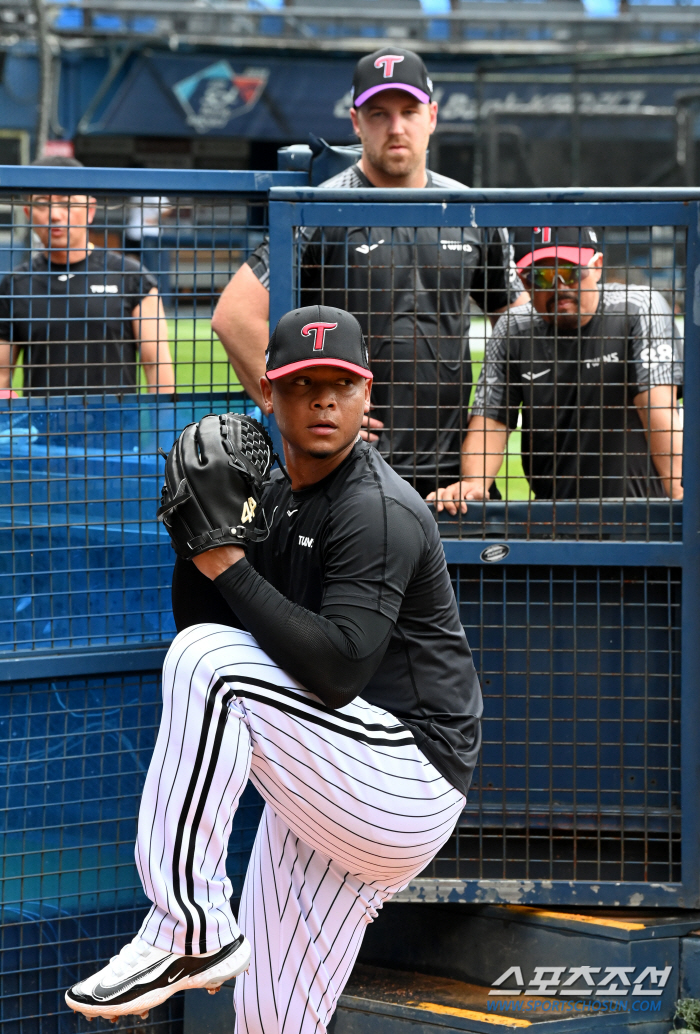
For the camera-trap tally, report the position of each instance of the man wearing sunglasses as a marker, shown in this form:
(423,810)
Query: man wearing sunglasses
(593,372)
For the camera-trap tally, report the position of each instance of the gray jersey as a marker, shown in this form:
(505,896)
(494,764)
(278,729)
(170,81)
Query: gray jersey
(577,391)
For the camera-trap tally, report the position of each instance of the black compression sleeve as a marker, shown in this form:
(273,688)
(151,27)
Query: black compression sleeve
(333,654)
(196,599)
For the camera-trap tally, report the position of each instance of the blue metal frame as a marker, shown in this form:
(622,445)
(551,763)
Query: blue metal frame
(309,207)
(28,178)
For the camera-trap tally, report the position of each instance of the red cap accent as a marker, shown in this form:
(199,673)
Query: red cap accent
(581,256)
(282,371)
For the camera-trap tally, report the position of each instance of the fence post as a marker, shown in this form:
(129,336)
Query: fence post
(690,639)
(281,259)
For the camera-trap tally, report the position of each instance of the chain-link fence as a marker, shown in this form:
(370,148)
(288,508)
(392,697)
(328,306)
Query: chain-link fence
(529,380)
(539,366)
(574,564)
(106,352)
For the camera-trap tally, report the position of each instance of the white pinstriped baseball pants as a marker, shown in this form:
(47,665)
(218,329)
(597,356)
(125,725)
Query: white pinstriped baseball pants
(353,811)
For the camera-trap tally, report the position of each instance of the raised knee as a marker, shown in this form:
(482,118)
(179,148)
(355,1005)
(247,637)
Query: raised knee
(193,644)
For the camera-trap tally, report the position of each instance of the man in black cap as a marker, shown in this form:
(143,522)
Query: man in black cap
(79,314)
(330,667)
(594,372)
(409,287)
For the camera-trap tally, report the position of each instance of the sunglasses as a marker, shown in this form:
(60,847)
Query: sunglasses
(545,278)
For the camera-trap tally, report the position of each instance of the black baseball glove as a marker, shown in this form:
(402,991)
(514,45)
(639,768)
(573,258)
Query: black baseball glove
(214,476)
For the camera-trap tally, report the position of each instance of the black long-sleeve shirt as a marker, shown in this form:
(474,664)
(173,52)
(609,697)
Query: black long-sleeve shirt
(351,595)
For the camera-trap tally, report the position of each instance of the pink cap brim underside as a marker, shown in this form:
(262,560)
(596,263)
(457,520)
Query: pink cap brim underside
(578,255)
(282,371)
(418,94)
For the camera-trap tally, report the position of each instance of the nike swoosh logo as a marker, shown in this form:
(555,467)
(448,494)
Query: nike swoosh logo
(290,512)
(534,376)
(134,986)
(104,994)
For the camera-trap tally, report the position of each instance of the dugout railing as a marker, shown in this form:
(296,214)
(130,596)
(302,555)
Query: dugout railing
(587,793)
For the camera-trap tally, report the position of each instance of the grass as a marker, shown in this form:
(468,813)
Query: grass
(200,361)
(201,364)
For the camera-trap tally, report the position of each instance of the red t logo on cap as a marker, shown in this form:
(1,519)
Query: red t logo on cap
(388,61)
(546,232)
(319,332)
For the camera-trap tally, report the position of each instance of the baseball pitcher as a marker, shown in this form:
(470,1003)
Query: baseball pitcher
(320,654)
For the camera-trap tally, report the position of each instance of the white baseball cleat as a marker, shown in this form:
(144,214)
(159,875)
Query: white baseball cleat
(141,977)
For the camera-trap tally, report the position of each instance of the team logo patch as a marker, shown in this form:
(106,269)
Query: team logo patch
(492,554)
(213,96)
(319,332)
(387,62)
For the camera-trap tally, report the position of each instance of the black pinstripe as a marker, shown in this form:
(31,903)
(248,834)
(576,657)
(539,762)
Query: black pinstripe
(186,805)
(353,811)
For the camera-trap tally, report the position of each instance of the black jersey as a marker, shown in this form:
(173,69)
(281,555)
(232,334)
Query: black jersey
(363,537)
(582,436)
(74,322)
(410,288)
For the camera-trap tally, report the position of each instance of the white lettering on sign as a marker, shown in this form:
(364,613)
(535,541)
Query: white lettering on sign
(616,982)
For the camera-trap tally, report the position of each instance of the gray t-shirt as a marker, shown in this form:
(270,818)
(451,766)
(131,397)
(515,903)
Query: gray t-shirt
(582,436)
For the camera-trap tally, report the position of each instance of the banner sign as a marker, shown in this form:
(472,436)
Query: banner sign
(279,98)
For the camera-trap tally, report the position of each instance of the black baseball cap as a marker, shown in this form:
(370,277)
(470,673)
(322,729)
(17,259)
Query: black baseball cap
(571,243)
(391,68)
(317,335)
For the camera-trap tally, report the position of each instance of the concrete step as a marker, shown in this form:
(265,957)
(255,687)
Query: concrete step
(433,965)
(383,1001)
